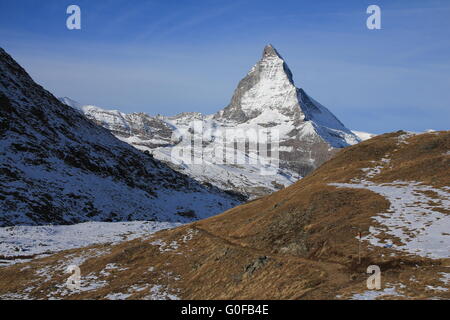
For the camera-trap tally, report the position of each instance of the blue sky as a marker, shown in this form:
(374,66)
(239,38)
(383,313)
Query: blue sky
(172,56)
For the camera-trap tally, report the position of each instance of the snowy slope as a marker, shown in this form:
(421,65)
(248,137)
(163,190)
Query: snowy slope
(60,168)
(161,135)
(364,135)
(26,241)
(266,98)
(421,227)
(416,216)
(71,103)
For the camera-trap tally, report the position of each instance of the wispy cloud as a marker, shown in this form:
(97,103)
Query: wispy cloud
(182,20)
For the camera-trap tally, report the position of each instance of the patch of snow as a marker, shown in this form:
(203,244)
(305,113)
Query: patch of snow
(87,283)
(14,296)
(164,247)
(137,288)
(159,292)
(374,294)
(437,288)
(37,240)
(117,296)
(364,135)
(374,171)
(189,235)
(109,267)
(445,277)
(413,217)
(44,274)
(404,137)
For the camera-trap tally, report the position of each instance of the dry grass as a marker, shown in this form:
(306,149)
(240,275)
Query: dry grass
(298,243)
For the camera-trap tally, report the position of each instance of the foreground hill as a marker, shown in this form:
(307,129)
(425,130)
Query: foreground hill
(57,167)
(298,243)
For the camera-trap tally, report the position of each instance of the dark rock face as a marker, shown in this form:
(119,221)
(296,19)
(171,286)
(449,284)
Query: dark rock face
(58,167)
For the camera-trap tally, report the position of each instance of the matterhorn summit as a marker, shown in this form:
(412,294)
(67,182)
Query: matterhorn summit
(268,89)
(268,95)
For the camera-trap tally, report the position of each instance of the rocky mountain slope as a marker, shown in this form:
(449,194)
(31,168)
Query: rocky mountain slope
(57,167)
(308,133)
(298,243)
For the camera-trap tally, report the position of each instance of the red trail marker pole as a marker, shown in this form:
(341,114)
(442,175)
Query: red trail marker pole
(359,247)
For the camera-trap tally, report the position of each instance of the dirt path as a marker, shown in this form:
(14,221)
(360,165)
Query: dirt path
(336,273)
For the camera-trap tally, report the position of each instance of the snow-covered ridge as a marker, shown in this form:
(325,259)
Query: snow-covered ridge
(19,241)
(60,168)
(364,135)
(71,103)
(160,135)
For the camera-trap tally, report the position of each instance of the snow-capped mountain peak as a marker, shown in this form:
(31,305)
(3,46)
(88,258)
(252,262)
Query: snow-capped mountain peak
(308,133)
(267,95)
(267,89)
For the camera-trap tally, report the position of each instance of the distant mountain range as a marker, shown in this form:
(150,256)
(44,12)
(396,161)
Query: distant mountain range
(58,167)
(308,133)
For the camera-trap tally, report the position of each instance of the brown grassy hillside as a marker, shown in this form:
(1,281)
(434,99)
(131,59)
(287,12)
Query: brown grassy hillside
(298,243)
